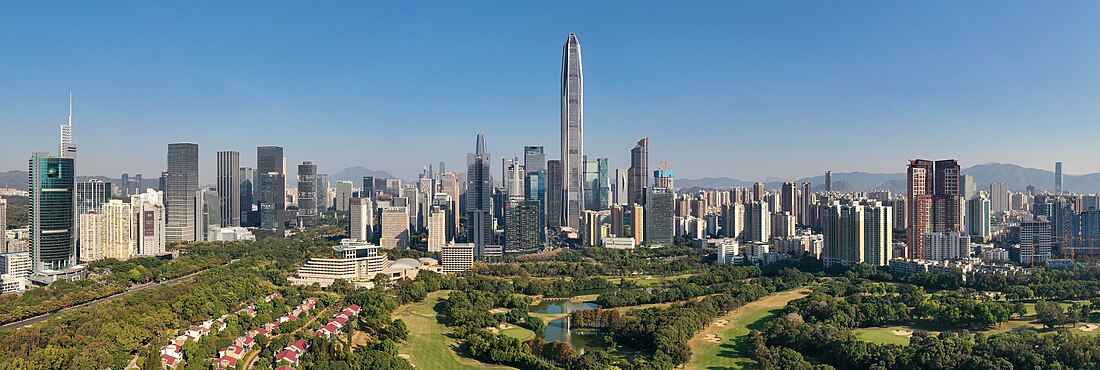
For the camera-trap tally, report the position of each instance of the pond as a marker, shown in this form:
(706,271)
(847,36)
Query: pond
(559,329)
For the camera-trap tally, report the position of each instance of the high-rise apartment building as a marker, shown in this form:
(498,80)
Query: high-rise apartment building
(733,221)
(855,233)
(229,187)
(933,201)
(182,180)
(638,173)
(51,210)
(967,186)
(572,131)
(457,257)
(91,195)
(758,219)
(395,227)
(521,230)
(1036,242)
(437,229)
(307,194)
(946,246)
(788,198)
(149,216)
(108,234)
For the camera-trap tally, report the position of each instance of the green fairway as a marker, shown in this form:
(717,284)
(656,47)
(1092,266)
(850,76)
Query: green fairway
(428,346)
(883,335)
(518,333)
(730,349)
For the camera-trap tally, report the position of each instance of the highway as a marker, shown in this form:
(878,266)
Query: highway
(132,290)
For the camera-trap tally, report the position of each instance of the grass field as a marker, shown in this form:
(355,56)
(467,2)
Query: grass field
(732,351)
(518,333)
(428,346)
(882,335)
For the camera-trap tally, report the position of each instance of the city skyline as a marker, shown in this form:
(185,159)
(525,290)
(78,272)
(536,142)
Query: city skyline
(980,77)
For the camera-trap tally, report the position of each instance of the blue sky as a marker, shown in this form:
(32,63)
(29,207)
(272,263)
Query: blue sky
(746,89)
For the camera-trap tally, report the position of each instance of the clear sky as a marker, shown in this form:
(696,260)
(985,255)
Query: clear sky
(746,89)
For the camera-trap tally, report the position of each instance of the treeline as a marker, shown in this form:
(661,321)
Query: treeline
(109,334)
(784,341)
(663,332)
(468,312)
(721,278)
(596,318)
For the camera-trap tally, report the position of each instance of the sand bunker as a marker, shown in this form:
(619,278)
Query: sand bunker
(404,356)
(1089,327)
(903,333)
(506,326)
(498,310)
(721,322)
(713,338)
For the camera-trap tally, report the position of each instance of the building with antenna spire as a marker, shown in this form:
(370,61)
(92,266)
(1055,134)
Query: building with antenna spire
(67,149)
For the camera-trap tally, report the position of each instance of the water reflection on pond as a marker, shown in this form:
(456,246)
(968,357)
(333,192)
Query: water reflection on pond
(559,329)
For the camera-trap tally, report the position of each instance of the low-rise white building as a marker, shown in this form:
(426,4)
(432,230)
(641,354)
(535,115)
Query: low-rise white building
(354,261)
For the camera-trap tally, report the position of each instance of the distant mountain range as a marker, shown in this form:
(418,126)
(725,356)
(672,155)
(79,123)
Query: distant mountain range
(356,174)
(1017,178)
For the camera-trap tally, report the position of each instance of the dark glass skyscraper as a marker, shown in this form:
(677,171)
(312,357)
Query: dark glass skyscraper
(307,194)
(182,181)
(572,131)
(638,174)
(229,187)
(248,196)
(272,187)
(478,197)
(50,212)
(534,163)
(554,194)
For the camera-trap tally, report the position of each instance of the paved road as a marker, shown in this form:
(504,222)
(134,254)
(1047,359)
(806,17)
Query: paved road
(132,290)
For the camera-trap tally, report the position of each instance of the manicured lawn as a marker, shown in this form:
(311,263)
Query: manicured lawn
(882,335)
(518,333)
(428,346)
(732,351)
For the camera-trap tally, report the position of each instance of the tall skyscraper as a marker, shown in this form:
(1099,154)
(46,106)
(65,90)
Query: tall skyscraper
(479,182)
(323,200)
(555,191)
(978,212)
(597,185)
(395,227)
(229,187)
(270,170)
(967,186)
(182,180)
(619,191)
(828,181)
(572,131)
(51,211)
(660,209)
(437,229)
(67,149)
(150,216)
(91,195)
(361,219)
(307,194)
(514,179)
(248,196)
(638,173)
(758,226)
(933,201)
(521,230)
(788,198)
(207,214)
(1057,177)
(999,197)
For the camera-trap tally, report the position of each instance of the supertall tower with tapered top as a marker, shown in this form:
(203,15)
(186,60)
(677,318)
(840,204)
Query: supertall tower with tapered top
(572,132)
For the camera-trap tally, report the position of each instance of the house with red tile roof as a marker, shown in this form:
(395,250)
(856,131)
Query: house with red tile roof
(287,356)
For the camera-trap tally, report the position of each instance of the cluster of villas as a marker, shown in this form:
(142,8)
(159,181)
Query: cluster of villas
(229,356)
(171,354)
(338,322)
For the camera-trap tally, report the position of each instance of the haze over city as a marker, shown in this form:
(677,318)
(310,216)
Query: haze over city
(755,91)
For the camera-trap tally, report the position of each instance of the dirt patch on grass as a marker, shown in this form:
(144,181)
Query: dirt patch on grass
(902,333)
(1089,327)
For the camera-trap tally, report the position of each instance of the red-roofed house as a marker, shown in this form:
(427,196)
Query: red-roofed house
(298,346)
(354,308)
(287,356)
(225,362)
(341,321)
(169,361)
